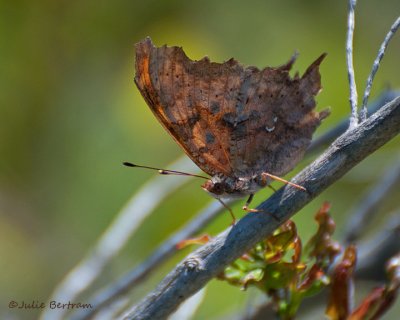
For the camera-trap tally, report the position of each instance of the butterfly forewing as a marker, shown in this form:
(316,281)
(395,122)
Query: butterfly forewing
(229,119)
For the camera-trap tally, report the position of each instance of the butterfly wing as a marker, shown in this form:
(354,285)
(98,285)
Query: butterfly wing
(275,119)
(187,97)
(229,119)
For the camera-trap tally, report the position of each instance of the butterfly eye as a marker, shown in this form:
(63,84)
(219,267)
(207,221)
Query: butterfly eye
(218,188)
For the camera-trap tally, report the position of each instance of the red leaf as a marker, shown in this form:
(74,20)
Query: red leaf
(321,246)
(341,295)
(368,305)
(314,274)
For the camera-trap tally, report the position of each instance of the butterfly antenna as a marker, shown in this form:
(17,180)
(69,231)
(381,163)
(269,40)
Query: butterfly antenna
(164,171)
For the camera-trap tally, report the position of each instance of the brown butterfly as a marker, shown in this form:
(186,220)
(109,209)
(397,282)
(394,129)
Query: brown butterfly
(241,125)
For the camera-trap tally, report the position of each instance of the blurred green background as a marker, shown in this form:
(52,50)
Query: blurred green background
(70,114)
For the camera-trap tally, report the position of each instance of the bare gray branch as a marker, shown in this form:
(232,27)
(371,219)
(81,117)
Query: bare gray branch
(368,206)
(208,261)
(114,238)
(374,253)
(350,66)
(375,66)
(141,272)
(326,138)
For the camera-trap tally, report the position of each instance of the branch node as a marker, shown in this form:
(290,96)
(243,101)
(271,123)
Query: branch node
(194,263)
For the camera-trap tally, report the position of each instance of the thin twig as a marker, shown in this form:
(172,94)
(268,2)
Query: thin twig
(201,266)
(114,238)
(350,67)
(367,208)
(141,272)
(375,66)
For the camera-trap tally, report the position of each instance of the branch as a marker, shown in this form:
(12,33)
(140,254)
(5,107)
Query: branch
(114,238)
(326,138)
(375,66)
(139,273)
(168,247)
(198,268)
(369,204)
(374,253)
(350,66)
(189,307)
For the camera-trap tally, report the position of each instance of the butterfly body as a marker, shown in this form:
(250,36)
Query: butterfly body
(228,188)
(238,124)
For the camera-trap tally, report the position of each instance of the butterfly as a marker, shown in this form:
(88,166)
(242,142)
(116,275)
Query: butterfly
(240,125)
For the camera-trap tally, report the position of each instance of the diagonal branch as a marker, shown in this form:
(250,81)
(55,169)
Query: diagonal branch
(195,271)
(368,207)
(128,281)
(138,274)
(129,219)
(374,253)
(326,138)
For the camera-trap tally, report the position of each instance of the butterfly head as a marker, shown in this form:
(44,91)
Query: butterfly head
(216,188)
(222,187)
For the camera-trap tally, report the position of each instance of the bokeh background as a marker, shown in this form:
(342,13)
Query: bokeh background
(70,114)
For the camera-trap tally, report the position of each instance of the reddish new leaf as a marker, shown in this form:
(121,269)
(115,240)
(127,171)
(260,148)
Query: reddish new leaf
(203,239)
(369,305)
(321,246)
(340,298)
(313,275)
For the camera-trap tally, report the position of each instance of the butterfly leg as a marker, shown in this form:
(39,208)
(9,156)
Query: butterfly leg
(229,209)
(266,175)
(246,206)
